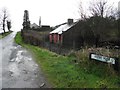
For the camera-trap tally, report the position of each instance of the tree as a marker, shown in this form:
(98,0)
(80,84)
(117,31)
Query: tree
(26,22)
(81,11)
(9,25)
(118,24)
(101,24)
(3,18)
(100,8)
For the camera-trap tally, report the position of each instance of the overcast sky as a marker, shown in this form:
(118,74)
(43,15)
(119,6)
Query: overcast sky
(52,12)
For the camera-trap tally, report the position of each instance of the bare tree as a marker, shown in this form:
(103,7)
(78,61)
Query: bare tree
(100,8)
(4,16)
(81,11)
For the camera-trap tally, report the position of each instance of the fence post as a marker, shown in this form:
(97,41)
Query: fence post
(117,64)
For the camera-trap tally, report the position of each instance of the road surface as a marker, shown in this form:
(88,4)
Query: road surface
(19,69)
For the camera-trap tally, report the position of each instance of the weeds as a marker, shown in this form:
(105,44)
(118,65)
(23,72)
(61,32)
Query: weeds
(61,73)
(91,66)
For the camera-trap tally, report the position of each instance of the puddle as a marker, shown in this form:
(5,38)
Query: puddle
(13,69)
(18,46)
(12,60)
(27,58)
(25,71)
(19,57)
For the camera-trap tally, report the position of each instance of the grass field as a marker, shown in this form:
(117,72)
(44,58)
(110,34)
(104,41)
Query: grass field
(62,72)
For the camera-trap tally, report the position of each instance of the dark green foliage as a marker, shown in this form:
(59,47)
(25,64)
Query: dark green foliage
(26,22)
(61,73)
(18,38)
(98,29)
(118,25)
(9,25)
(34,37)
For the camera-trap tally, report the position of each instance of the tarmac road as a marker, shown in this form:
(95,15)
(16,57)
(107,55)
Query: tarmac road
(18,67)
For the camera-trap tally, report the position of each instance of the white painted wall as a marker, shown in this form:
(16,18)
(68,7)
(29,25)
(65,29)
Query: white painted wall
(119,6)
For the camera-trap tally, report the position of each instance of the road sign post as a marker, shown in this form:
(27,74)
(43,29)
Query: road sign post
(114,61)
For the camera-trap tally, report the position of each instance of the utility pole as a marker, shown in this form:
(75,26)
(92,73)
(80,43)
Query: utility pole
(40,21)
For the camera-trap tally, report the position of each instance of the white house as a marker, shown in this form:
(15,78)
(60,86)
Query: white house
(34,25)
(119,6)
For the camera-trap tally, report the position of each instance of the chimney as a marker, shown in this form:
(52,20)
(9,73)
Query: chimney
(70,21)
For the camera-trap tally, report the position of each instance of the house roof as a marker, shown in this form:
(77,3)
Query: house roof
(62,28)
(34,25)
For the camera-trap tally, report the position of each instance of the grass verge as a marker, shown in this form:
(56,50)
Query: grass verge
(5,34)
(62,73)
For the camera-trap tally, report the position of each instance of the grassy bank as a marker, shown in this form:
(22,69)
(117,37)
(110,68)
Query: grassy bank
(5,34)
(62,72)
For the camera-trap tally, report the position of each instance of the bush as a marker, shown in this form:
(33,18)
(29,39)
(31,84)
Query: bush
(64,74)
(91,66)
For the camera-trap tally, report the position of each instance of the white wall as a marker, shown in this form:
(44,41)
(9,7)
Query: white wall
(119,6)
